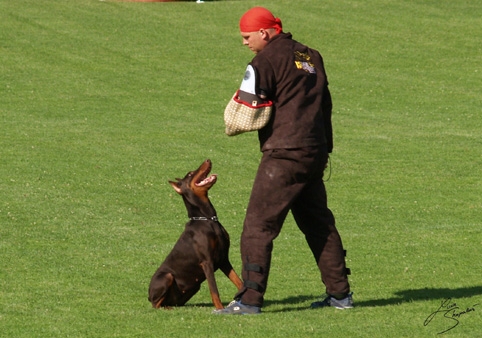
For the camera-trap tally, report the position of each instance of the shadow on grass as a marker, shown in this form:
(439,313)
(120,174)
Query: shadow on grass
(296,303)
(423,294)
(400,297)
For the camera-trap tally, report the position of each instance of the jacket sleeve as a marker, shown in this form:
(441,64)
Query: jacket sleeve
(265,77)
(326,108)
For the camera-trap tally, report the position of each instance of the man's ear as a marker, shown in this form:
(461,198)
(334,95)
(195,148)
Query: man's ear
(266,34)
(176,186)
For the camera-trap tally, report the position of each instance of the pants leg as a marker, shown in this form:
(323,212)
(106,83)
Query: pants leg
(281,176)
(316,221)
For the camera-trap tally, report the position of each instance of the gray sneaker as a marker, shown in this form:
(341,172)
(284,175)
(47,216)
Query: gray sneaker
(238,308)
(345,303)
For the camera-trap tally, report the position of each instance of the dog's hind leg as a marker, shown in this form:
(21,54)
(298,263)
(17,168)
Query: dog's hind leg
(233,277)
(228,270)
(159,288)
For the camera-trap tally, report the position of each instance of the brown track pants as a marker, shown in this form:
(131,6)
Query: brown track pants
(290,179)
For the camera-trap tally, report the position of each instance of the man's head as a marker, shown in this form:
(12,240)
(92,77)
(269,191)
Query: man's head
(257,26)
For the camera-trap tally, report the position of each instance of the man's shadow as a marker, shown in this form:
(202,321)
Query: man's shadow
(424,294)
(400,297)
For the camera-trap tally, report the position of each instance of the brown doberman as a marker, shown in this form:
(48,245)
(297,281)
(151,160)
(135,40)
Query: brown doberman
(202,248)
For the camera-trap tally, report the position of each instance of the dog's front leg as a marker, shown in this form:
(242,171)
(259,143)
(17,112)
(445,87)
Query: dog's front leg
(213,288)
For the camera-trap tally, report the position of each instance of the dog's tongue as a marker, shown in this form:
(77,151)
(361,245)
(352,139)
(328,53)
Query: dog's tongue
(207,180)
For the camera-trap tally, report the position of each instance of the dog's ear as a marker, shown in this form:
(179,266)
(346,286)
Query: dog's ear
(176,186)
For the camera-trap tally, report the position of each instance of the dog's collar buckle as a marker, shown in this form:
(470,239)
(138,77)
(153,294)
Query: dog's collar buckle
(214,218)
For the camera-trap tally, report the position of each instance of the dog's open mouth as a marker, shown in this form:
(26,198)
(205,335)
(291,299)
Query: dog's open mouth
(203,179)
(208,180)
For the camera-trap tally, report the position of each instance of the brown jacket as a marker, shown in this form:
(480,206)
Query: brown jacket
(293,76)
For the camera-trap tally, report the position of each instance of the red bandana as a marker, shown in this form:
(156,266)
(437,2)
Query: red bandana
(257,18)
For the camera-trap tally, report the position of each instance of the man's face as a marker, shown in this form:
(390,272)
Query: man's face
(256,41)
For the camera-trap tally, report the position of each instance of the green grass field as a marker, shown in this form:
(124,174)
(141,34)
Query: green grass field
(103,102)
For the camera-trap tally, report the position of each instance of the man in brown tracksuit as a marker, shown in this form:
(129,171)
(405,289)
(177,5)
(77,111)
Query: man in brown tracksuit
(295,146)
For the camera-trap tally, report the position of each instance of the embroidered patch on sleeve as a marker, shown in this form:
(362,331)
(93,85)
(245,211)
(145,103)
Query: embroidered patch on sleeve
(303,62)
